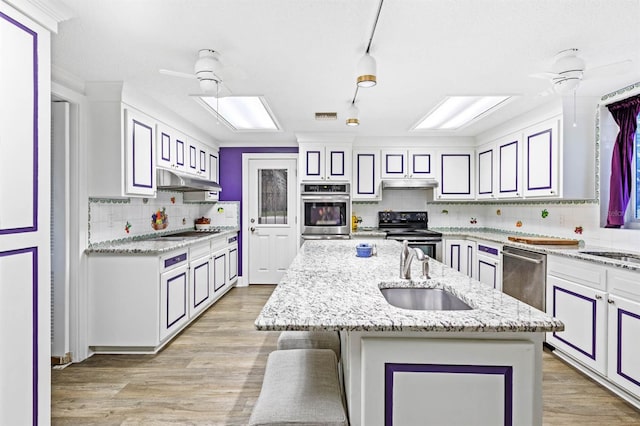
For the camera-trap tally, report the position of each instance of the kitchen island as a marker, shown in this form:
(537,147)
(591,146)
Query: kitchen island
(404,367)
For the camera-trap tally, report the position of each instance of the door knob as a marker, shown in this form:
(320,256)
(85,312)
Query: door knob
(253,229)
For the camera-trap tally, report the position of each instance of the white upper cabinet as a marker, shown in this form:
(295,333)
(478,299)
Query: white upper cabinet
(499,168)
(140,153)
(366,175)
(171,148)
(541,158)
(321,162)
(456,174)
(486,159)
(402,163)
(121,146)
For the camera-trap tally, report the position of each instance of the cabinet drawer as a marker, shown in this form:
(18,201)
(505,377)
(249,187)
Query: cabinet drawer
(624,283)
(173,260)
(218,243)
(199,250)
(586,273)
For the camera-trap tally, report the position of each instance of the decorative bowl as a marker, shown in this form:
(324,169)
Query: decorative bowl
(364,250)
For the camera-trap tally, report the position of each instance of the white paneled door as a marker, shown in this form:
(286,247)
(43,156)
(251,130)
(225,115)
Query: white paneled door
(25,138)
(271,225)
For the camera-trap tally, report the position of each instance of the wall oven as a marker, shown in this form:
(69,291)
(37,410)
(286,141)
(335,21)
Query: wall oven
(326,211)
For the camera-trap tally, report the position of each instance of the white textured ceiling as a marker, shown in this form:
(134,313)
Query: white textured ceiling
(301,54)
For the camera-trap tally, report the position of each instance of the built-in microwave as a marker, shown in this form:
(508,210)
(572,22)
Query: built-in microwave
(326,210)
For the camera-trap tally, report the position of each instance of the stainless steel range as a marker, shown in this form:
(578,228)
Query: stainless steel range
(413,227)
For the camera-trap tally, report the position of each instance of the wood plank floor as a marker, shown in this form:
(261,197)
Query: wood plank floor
(211,374)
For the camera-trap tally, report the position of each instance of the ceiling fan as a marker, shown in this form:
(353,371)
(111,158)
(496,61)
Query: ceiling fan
(208,71)
(569,69)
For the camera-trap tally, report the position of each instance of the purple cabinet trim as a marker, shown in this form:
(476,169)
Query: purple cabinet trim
(203,161)
(373,174)
(34,217)
(490,153)
(309,161)
(175,260)
(386,164)
(232,239)
(621,312)
(34,318)
(504,191)
(458,247)
(197,303)
(193,157)
(179,152)
(182,276)
(591,354)
(550,143)
(224,266)
(415,169)
(151,169)
(235,251)
(501,370)
(489,250)
(492,266)
(468,157)
(340,155)
(165,143)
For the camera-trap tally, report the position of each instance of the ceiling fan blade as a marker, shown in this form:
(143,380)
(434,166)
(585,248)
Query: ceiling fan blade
(545,75)
(615,68)
(177,74)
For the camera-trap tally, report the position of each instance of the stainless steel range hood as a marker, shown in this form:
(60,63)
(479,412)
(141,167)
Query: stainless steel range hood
(175,181)
(409,184)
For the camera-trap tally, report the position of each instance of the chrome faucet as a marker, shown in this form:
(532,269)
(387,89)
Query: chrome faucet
(407,255)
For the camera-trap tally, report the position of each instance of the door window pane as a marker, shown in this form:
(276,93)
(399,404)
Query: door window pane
(272,196)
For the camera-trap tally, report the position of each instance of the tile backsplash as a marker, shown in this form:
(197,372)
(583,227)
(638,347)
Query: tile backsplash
(112,220)
(564,219)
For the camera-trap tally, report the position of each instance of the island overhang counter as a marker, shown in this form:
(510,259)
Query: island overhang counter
(401,366)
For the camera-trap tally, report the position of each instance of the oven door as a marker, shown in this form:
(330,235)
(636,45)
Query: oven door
(433,249)
(326,214)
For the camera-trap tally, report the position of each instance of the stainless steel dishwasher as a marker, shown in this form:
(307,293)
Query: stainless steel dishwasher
(524,275)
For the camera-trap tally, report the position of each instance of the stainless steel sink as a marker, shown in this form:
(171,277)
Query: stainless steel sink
(423,299)
(623,257)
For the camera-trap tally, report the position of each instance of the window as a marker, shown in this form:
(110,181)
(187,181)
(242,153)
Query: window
(635,192)
(272,193)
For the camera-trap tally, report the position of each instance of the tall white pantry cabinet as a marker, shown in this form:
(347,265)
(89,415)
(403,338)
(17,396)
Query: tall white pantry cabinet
(25,156)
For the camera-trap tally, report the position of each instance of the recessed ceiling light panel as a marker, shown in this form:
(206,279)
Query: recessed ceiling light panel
(242,113)
(455,112)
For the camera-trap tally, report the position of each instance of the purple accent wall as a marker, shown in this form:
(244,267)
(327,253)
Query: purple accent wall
(231,178)
(502,370)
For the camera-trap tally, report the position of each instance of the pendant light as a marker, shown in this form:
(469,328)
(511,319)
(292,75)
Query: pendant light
(352,115)
(367,75)
(366,71)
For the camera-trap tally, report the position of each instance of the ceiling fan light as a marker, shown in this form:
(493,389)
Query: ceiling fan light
(366,71)
(566,85)
(208,85)
(352,116)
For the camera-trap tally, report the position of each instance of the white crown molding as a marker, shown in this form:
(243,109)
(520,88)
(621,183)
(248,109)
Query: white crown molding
(48,13)
(67,79)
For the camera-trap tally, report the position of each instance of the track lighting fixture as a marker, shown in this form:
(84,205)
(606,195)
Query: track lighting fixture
(366,74)
(352,115)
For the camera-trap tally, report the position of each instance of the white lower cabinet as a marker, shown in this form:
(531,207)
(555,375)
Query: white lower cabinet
(582,309)
(174,290)
(489,266)
(600,308)
(199,278)
(459,254)
(624,330)
(137,303)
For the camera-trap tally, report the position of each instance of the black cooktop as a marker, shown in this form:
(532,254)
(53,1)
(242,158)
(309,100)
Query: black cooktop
(411,224)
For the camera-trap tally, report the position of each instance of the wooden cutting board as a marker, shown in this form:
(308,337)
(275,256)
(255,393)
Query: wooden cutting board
(544,241)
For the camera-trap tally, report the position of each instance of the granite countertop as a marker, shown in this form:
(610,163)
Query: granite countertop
(327,287)
(154,245)
(567,251)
